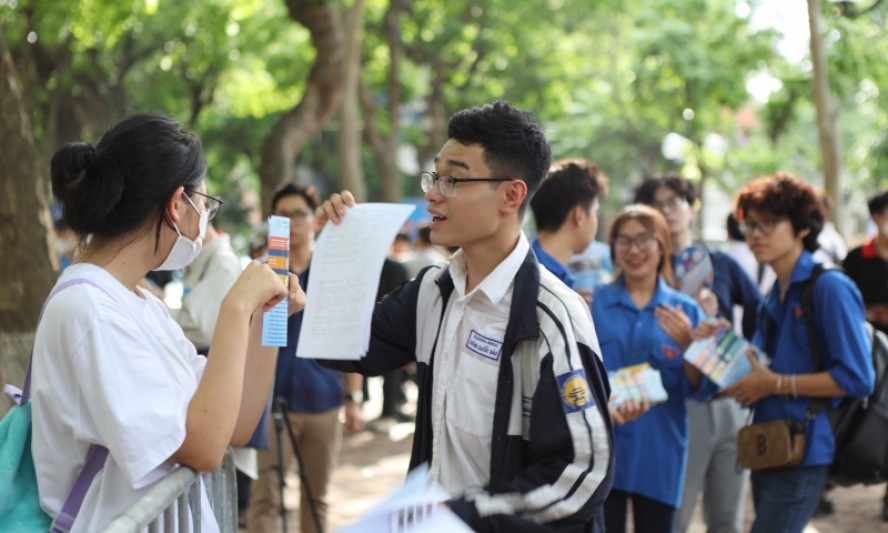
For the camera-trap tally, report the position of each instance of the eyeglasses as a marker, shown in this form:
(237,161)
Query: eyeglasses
(645,242)
(765,226)
(447,184)
(673,203)
(211,204)
(297,216)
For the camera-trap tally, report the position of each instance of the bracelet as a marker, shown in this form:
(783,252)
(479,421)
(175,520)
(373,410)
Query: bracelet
(795,393)
(779,383)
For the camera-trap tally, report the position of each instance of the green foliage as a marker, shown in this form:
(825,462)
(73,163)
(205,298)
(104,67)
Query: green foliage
(608,79)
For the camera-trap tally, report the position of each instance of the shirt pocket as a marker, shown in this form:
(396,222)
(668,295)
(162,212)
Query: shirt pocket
(470,405)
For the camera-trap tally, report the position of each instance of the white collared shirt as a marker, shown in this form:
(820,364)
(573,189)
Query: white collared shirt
(466,369)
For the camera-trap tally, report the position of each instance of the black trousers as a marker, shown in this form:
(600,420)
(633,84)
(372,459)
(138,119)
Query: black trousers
(649,516)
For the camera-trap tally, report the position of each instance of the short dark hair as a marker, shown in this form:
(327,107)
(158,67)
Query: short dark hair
(680,186)
(785,195)
(735,231)
(878,203)
(513,142)
(126,180)
(308,193)
(425,235)
(570,182)
(403,237)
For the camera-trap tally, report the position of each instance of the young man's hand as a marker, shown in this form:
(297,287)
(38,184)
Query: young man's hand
(334,208)
(354,418)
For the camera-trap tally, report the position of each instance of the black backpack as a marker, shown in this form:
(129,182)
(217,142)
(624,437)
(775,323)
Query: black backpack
(860,426)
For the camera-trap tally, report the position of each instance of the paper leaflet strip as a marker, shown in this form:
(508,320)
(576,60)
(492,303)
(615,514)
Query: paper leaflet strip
(274,325)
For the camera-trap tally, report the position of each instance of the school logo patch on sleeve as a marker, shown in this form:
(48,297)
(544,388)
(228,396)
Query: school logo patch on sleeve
(575,394)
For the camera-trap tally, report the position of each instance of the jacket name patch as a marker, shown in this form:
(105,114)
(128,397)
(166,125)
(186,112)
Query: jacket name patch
(574,389)
(484,346)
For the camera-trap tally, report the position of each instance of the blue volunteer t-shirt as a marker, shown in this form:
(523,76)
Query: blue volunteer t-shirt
(651,450)
(306,386)
(845,347)
(552,265)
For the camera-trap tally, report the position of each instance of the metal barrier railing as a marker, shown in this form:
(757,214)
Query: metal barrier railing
(165,507)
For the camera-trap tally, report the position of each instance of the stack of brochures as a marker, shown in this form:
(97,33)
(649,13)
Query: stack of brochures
(722,357)
(636,383)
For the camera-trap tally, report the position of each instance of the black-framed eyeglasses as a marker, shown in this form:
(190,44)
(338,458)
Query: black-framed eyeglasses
(212,204)
(447,184)
(644,241)
(748,227)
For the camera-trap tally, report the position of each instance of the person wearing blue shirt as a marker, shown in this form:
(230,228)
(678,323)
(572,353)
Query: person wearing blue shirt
(565,209)
(783,216)
(313,395)
(714,424)
(648,322)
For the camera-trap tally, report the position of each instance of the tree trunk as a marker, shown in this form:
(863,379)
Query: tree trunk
(391,176)
(827,118)
(28,262)
(351,173)
(323,95)
(438,119)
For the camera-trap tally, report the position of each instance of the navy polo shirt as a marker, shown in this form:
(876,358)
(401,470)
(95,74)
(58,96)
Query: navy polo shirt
(652,450)
(733,286)
(552,265)
(306,386)
(839,318)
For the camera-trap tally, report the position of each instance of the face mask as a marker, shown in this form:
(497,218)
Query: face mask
(185,250)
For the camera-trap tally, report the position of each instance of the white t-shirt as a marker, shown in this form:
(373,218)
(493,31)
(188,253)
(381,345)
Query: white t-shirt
(115,372)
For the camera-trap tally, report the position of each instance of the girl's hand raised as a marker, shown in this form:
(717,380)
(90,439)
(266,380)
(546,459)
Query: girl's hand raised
(676,324)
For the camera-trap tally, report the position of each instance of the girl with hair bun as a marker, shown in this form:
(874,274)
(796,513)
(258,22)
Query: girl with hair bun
(111,370)
(648,322)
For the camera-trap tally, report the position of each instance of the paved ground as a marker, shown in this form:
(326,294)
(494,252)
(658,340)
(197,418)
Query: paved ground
(372,466)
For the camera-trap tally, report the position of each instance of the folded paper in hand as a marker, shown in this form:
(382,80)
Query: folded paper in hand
(344,276)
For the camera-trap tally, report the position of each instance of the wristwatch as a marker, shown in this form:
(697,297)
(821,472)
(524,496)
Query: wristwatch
(355,397)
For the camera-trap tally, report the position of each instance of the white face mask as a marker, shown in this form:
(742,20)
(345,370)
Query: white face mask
(185,250)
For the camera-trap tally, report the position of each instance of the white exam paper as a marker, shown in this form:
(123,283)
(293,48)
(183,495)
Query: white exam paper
(345,267)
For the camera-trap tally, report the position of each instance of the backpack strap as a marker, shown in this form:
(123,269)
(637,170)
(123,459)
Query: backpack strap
(806,301)
(95,460)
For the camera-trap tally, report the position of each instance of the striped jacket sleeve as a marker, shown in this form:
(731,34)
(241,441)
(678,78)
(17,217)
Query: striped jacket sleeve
(571,460)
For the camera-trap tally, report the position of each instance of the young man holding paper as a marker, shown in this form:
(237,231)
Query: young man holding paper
(512,414)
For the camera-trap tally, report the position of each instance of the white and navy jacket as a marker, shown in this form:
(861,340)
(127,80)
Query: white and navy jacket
(552,456)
